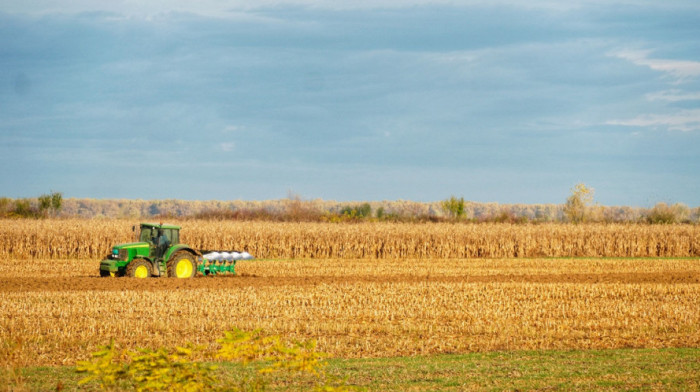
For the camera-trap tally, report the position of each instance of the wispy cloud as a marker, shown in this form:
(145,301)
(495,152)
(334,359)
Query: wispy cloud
(227,147)
(681,70)
(673,96)
(684,121)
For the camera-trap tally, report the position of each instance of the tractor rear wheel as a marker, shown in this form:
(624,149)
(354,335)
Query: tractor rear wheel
(182,265)
(139,268)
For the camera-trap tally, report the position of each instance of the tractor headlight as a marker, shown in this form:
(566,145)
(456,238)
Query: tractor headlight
(120,254)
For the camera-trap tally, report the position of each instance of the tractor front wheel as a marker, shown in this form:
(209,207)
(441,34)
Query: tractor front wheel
(139,268)
(105,274)
(182,265)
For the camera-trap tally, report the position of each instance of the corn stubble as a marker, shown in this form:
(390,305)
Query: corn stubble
(386,316)
(91,239)
(361,290)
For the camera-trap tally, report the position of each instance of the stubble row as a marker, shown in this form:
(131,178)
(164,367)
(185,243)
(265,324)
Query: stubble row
(359,319)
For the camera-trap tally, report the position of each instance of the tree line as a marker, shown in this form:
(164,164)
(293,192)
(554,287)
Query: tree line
(579,207)
(46,205)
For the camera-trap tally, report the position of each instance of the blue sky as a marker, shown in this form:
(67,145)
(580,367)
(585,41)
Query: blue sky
(496,101)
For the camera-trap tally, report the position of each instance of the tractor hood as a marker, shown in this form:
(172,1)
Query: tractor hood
(131,245)
(129,251)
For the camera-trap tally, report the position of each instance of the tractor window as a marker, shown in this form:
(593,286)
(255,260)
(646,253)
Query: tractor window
(176,237)
(146,235)
(164,237)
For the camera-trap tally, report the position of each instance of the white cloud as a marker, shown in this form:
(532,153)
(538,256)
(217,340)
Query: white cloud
(684,121)
(227,147)
(673,96)
(681,70)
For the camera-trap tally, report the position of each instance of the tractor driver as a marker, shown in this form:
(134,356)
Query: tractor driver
(162,242)
(154,236)
(163,239)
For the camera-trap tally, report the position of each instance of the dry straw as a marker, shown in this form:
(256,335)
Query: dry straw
(91,239)
(379,308)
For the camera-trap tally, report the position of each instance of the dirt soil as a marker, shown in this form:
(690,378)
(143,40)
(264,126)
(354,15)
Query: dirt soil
(87,283)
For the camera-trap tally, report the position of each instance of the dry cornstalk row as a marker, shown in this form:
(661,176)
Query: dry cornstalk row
(92,239)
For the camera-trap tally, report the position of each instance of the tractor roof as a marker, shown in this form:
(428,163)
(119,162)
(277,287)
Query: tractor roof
(162,226)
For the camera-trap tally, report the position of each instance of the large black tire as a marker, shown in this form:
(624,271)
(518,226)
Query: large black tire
(139,268)
(182,265)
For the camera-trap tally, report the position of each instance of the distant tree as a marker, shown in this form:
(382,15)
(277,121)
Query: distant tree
(56,201)
(545,212)
(50,204)
(453,207)
(380,213)
(662,213)
(44,203)
(5,206)
(577,205)
(695,215)
(23,208)
(299,210)
(362,211)
(504,216)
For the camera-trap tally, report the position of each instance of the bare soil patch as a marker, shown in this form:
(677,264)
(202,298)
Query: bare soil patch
(92,283)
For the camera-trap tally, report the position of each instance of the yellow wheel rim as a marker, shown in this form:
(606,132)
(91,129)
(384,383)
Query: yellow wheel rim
(112,274)
(184,269)
(141,272)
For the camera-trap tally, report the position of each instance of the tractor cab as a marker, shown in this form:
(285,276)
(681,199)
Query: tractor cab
(159,238)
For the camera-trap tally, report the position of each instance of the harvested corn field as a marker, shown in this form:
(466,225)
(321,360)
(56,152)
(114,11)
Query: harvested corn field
(90,239)
(358,307)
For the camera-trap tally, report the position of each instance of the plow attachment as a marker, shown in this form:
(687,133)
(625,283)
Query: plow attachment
(221,262)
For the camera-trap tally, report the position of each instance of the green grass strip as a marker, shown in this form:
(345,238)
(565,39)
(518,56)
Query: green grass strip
(674,369)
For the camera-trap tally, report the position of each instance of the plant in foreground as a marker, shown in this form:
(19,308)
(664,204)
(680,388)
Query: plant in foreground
(175,369)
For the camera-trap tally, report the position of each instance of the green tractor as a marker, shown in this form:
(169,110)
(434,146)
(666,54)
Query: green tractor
(159,252)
